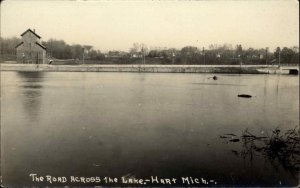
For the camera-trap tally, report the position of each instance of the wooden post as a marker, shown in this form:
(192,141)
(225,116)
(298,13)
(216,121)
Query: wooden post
(82,55)
(203,55)
(279,58)
(267,56)
(143,55)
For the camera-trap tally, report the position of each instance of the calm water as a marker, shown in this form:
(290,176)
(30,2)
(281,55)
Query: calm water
(142,125)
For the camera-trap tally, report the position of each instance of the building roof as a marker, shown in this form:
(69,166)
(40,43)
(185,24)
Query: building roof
(41,45)
(29,30)
(19,44)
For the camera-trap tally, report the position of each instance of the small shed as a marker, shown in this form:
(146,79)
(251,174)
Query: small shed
(30,50)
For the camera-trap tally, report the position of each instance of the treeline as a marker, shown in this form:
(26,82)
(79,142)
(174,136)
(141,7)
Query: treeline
(214,54)
(60,50)
(8,45)
(227,54)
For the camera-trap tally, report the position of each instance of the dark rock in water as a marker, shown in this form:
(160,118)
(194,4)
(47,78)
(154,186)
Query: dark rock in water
(244,96)
(234,140)
(214,78)
(223,137)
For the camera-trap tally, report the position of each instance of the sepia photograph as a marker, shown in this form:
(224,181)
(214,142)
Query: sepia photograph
(149,93)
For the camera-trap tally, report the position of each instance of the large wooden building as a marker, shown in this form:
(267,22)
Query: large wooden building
(30,50)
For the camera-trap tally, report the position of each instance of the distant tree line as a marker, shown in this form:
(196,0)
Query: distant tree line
(226,54)
(60,50)
(215,54)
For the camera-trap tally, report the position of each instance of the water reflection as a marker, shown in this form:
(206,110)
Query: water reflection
(31,76)
(141,125)
(31,93)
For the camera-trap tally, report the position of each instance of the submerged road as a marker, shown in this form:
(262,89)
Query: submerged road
(230,69)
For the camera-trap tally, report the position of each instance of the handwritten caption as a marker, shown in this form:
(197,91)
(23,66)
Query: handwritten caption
(152,180)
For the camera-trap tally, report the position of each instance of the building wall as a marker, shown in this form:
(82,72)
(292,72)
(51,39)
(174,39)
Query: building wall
(30,37)
(29,51)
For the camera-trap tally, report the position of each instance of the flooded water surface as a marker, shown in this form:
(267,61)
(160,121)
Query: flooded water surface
(140,125)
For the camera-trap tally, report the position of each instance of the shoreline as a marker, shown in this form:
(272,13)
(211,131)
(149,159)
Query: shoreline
(229,69)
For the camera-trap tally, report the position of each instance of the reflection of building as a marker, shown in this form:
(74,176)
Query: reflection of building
(31,93)
(30,50)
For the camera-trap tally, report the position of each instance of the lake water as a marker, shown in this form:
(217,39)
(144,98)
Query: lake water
(140,125)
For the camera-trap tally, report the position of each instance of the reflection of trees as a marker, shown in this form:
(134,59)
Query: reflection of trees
(282,149)
(31,92)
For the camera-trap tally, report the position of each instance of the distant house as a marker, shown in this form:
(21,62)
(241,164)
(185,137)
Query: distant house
(30,50)
(136,55)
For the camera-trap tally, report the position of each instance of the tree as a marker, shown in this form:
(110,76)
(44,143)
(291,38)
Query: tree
(277,52)
(189,51)
(135,48)
(8,45)
(139,49)
(287,55)
(239,51)
(295,49)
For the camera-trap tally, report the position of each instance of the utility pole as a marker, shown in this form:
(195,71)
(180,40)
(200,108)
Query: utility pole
(82,55)
(266,55)
(142,50)
(279,58)
(143,56)
(173,55)
(0,32)
(203,55)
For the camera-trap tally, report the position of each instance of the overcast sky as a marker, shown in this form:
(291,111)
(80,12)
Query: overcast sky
(116,25)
